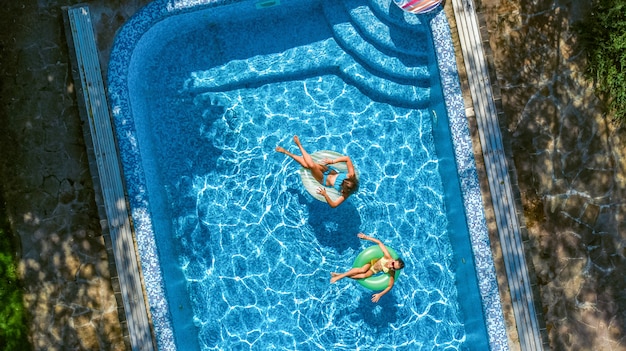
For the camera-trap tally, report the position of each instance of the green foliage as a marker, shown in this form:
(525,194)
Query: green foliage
(603,36)
(13,330)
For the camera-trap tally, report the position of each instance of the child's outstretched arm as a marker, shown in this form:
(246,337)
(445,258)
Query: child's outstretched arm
(332,203)
(377,296)
(382,246)
(345,159)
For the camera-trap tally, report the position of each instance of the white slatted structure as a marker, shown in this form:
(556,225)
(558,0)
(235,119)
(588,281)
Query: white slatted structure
(95,112)
(498,176)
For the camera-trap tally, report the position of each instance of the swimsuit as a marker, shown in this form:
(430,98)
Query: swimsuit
(383,265)
(339,180)
(340,177)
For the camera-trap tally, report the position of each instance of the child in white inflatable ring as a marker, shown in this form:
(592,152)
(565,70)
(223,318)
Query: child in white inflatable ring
(345,183)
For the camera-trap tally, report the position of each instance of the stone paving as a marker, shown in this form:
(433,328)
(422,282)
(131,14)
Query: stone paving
(569,159)
(571,162)
(46,181)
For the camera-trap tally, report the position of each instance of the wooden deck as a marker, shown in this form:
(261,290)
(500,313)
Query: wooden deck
(499,179)
(106,171)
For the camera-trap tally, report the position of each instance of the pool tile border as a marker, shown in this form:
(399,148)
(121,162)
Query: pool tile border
(121,54)
(470,185)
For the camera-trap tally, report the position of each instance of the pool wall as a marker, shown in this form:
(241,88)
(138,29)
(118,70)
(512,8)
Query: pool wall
(482,269)
(481,272)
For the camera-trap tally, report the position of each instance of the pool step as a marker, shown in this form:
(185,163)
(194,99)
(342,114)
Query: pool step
(386,30)
(364,52)
(330,59)
(369,41)
(395,16)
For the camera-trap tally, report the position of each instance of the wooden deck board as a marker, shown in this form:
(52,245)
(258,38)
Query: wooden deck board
(95,113)
(498,176)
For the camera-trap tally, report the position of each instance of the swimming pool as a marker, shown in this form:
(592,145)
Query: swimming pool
(235,253)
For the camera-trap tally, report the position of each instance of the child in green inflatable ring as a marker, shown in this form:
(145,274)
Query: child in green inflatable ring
(385,264)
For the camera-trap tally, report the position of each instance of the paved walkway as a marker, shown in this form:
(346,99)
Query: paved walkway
(45,179)
(569,160)
(571,163)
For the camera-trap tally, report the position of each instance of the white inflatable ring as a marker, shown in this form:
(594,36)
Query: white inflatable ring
(311,184)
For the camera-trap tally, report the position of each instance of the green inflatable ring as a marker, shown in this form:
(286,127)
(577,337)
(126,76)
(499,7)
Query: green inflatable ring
(311,184)
(379,281)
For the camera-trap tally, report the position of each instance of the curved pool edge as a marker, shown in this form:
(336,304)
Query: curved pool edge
(121,55)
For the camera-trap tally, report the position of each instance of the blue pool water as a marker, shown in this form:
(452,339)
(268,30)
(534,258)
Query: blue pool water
(244,253)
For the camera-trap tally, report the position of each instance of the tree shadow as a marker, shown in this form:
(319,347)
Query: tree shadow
(567,165)
(68,283)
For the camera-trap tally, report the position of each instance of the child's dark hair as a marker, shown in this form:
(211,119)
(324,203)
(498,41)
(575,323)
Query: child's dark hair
(400,263)
(349,185)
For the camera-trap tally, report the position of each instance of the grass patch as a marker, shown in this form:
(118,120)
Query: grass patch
(603,36)
(13,329)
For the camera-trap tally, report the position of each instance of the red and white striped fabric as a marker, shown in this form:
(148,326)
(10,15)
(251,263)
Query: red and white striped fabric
(417,6)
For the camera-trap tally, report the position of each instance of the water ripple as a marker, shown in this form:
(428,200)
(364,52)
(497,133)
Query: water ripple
(257,250)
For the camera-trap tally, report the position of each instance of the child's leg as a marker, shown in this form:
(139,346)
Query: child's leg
(358,271)
(362,275)
(298,159)
(305,160)
(316,170)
